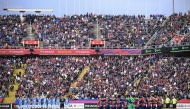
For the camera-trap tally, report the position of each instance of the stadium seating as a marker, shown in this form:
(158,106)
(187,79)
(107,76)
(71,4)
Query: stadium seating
(174,26)
(129,31)
(67,32)
(185,40)
(110,76)
(6,76)
(50,76)
(12,31)
(167,76)
(76,31)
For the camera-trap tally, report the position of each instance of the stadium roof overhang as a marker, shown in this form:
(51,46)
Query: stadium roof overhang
(22,10)
(27,10)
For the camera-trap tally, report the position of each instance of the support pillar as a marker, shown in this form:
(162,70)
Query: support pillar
(38,13)
(21,16)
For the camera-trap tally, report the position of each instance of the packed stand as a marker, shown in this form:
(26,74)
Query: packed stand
(7,79)
(12,31)
(70,32)
(174,26)
(124,31)
(49,76)
(167,76)
(110,75)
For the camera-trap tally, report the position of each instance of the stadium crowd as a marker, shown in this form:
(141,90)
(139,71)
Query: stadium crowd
(129,31)
(167,76)
(98,82)
(173,27)
(7,79)
(12,31)
(186,39)
(65,32)
(109,76)
(50,77)
(76,31)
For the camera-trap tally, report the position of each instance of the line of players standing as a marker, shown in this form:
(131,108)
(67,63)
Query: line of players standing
(27,103)
(151,102)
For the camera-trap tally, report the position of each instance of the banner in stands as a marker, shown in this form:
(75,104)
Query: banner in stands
(92,105)
(120,51)
(31,42)
(70,51)
(76,105)
(64,52)
(14,51)
(166,49)
(152,51)
(97,42)
(180,48)
(5,106)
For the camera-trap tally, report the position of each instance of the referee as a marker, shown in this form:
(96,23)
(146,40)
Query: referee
(174,101)
(167,102)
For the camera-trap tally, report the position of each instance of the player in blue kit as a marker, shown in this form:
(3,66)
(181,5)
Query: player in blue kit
(28,103)
(57,103)
(44,102)
(34,102)
(53,103)
(49,103)
(20,103)
(25,103)
(39,102)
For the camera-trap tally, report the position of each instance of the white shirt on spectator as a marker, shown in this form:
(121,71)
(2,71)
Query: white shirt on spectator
(17,78)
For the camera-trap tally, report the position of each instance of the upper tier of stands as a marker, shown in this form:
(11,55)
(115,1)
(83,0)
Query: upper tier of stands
(76,31)
(67,32)
(129,31)
(173,32)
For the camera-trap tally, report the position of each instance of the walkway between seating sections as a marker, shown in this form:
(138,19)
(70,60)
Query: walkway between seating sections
(81,75)
(138,80)
(135,84)
(12,94)
(97,32)
(86,68)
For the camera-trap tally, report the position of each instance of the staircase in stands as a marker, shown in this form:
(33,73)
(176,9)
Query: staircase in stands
(139,80)
(80,77)
(12,94)
(30,34)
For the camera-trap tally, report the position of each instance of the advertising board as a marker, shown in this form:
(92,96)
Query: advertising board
(76,105)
